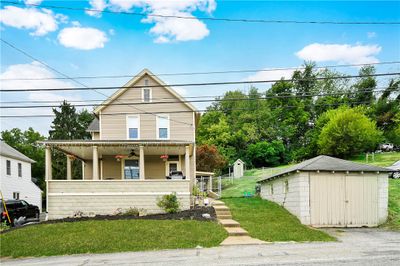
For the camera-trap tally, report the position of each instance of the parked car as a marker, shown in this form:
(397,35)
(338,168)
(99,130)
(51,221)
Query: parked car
(386,147)
(17,209)
(396,168)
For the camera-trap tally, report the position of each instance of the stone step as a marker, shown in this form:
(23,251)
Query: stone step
(228,223)
(217,203)
(241,240)
(219,213)
(224,216)
(236,231)
(221,208)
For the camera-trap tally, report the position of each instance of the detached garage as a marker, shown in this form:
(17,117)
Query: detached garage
(331,192)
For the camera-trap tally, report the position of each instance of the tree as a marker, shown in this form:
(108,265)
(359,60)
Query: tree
(26,143)
(68,124)
(365,86)
(265,153)
(209,159)
(347,132)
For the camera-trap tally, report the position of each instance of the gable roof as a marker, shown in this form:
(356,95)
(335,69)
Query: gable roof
(134,80)
(8,151)
(327,163)
(238,161)
(94,126)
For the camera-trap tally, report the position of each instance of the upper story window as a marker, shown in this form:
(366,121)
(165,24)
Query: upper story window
(162,126)
(8,167)
(146,95)
(19,169)
(133,127)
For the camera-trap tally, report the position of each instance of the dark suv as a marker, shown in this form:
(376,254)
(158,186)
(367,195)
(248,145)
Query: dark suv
(17,209)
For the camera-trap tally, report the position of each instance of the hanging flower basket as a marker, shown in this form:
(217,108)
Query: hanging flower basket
(164,157)
(119,157)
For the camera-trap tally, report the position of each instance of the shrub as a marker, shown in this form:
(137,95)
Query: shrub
(132,211)
(169,203)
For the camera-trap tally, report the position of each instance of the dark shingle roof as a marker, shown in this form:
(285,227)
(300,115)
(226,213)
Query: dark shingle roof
(94,126)
(327,163)
(8,151)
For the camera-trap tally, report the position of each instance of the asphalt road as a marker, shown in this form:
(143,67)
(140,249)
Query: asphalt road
(355,247)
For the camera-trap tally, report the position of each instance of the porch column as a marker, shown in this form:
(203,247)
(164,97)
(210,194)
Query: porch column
(187,162)
(69,175)
(141,163)
(48,170)
(210,178)
(95,163)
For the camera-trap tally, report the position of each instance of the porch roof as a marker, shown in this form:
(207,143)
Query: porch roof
(83,149)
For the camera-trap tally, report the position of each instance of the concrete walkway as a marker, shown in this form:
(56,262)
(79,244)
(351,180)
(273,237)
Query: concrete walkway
(237,235)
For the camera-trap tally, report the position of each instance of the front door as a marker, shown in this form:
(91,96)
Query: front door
(131,169)
(171,166)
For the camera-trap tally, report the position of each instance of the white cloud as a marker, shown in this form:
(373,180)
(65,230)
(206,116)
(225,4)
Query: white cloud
(41,21)
(96,5)
(269,74)
(168,29)
(341,53)
(371,34)
(33,2)
(43,81)
(82,38)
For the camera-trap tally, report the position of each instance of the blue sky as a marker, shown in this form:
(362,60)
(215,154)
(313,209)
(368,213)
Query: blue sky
(115,44)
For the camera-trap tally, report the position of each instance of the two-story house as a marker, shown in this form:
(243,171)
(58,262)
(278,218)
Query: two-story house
(15,178)
(141,133)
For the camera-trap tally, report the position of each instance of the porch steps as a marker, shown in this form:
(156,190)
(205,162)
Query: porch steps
(236,234)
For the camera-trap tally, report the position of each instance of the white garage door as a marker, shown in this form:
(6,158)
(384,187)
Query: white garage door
(343,200)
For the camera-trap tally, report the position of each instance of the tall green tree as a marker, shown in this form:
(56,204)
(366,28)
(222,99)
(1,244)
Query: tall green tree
(68,124)
(26,143)
(346,132)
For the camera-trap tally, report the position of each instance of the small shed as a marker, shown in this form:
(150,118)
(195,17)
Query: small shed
(238,168)
(330,192)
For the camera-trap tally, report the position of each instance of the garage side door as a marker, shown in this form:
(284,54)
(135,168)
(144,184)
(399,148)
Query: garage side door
(327,199)
(361,200)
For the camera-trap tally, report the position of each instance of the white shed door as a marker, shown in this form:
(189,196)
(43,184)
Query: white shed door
(343,200)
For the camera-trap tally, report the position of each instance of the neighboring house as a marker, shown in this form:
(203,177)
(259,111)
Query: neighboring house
(140,133)
(16,180)
(238,168)
(330,192)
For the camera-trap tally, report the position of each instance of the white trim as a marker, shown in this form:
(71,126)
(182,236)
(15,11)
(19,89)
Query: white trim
(178,163)
(100,129)
(127,127)
(118,193)
(151,95)
(168,128)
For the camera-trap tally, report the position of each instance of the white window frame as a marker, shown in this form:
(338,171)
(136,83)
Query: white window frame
(19,165)
(7,168)
(151,95)
(127,126)
(168,128)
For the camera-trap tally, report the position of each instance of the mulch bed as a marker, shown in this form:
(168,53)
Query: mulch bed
(192,214)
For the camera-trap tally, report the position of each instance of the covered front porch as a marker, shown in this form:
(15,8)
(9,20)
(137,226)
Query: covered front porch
(129,160)
(118,175)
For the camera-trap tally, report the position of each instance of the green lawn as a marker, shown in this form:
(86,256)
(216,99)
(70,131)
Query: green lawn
(394,205)
(380,159)
(109,236)
(268,221)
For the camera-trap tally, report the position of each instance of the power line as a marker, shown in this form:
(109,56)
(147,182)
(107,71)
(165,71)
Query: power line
(182,111)
(241,20)
(200,101)
(76,81)
(198,84)
(203,97)
(206,72)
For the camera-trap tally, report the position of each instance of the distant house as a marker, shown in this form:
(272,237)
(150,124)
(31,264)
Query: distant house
(238,168)
(142,147)
(16,180)
(330,192)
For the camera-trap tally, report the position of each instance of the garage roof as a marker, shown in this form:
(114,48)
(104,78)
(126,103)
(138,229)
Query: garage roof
(327,163)
(8,151)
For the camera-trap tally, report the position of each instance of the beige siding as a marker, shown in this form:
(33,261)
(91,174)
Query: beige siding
(113,127)
(95,135)
(111,168)
(154,167)
(295,199)
(105,197)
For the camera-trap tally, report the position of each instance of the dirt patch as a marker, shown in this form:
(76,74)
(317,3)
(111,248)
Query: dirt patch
(192,214)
